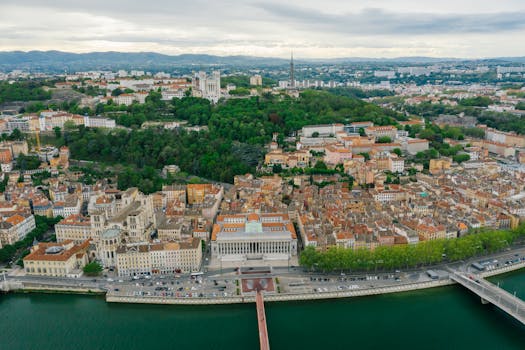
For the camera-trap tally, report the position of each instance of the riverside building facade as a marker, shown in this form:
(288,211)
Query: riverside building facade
(64,259)
(253,238)
(159,258)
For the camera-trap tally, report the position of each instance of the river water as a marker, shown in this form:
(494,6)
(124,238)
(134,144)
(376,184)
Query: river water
(440,318)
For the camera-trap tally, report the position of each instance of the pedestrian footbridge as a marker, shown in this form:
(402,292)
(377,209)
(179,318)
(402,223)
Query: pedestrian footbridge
(261,320)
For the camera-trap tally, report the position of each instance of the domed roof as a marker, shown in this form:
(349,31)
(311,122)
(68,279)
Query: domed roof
(54,250)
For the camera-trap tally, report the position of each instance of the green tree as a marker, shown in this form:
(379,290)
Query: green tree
(308,257)
(427,133)
(407,256)
(240,91)
(16,135)
(474,132)
(93,269)
(320,165)
(24,162)
(478,101)
(69,125)
(460,158)
(366,155)
(30,90)
(58,132)
(117,92)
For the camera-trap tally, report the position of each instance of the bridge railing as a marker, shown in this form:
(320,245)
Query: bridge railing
(493,294)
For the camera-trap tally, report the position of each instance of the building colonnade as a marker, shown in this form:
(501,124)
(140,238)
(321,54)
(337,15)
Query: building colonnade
(272,247)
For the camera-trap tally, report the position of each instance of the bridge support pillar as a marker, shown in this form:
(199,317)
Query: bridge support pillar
(4,287)
(484,302)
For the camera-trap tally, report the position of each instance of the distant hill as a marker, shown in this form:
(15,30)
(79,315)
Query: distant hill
(422,60)
(59,61)
(412,60)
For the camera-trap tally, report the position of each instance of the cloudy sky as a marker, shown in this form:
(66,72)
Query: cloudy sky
(271,28)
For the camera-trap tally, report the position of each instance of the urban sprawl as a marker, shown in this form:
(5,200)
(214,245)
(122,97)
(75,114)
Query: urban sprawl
(357,185)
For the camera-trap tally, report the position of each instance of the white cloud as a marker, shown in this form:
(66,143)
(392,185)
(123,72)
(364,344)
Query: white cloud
(376,28)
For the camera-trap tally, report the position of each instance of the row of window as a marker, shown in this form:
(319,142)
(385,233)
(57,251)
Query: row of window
(254,247)
(55,271)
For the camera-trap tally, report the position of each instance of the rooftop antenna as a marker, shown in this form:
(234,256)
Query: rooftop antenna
(292,78)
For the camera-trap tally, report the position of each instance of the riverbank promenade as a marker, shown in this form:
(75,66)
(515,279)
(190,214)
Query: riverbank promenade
(226,288)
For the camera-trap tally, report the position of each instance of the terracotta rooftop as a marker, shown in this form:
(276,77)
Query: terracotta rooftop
(15,219)
(75,219)
(40,252)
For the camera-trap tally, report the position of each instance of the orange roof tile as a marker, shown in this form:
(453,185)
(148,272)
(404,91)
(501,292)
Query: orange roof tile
(253,217)
(15,219)
(40,253)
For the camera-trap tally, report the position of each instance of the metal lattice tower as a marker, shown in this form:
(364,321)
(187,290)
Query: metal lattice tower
(292,78)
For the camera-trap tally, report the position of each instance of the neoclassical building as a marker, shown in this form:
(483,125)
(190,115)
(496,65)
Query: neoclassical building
(257,238)
(65,259)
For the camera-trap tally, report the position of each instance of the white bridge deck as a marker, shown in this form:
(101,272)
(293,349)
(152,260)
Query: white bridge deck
(507,302)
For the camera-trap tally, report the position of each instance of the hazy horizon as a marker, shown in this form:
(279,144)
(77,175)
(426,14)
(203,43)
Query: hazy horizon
(296,58)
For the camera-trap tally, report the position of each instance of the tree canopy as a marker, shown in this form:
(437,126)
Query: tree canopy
(92,269)
(478,101)
(408,255)
(22,91)
(237,131)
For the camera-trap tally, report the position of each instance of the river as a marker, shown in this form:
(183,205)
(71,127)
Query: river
(440,318)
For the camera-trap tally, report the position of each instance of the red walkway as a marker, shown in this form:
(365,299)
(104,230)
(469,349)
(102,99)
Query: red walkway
(261,320)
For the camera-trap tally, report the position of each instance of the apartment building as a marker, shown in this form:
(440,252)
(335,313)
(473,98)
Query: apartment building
(71,205)
(300,159)
(99,122)
(326,130)
(507,138)
(159,258)
(15,226)
(381,131)
(76,228)
(336,155)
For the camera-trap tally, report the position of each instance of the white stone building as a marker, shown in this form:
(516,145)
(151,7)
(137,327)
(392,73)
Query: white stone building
(208,86)
(260,238)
